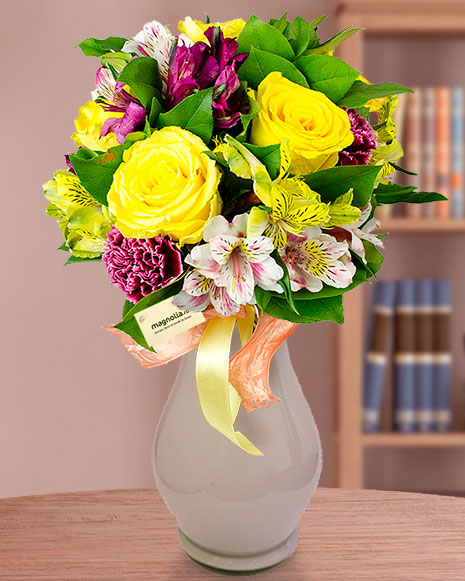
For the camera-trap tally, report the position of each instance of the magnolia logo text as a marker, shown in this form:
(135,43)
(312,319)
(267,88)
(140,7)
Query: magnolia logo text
(173,317)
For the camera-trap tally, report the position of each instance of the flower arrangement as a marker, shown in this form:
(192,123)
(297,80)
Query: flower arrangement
(233,170)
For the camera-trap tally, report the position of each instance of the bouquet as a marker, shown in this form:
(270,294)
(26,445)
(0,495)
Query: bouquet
(228,174)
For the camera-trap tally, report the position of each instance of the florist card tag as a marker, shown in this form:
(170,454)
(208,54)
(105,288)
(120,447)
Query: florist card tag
(164,320)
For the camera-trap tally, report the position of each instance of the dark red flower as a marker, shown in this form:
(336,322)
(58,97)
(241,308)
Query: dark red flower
(360,151)
(140,266)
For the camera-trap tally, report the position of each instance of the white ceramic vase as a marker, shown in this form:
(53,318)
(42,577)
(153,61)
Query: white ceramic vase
(238,512)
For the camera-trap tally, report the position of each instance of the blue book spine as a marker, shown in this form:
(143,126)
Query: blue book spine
(424,356)
(456,178)
(404,358)
(377,353)
(442,358)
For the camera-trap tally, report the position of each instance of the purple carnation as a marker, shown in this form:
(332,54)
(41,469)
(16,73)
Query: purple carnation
(140,266)
(360,151)
(201,66)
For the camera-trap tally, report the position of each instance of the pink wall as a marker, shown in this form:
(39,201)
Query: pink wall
(76,411)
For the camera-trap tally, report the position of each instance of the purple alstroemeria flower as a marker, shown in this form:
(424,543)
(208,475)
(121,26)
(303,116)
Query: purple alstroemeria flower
(360,150)
(201,66)
(133,119)
(113,97)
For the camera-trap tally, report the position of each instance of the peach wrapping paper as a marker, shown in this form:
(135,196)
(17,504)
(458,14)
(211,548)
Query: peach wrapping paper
(248,368)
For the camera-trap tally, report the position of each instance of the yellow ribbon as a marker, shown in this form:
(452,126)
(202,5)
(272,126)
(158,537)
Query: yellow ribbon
(218,399)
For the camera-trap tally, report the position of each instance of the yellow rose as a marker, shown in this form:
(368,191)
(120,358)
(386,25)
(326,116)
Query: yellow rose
(89,123)
(165,185)
(195,29)
(317,129)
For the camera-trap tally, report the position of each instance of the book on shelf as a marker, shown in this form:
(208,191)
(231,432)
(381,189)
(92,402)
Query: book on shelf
(410,331)
(443,123)
(423,379)
(428,159)
(456,176)
(413,146)
(433,123)
(377,353)
(404,357)
(442,358)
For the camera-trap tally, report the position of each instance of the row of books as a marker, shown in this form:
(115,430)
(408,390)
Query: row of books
(410,328)
(430,127)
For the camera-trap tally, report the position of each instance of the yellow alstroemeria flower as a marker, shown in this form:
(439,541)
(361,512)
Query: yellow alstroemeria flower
(291,205)
(316,128)
(89,124)
(194,29)
(388,150)
(383,155)
(341,211)
(83,222)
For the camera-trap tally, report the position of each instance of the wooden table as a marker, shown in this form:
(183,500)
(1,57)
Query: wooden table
(130,534)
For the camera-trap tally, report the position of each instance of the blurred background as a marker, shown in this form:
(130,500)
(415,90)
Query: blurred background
(76,411)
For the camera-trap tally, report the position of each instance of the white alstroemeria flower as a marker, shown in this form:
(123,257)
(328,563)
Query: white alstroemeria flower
(155,41)
(228,267)
(357,234)
(315,258)
(105,84)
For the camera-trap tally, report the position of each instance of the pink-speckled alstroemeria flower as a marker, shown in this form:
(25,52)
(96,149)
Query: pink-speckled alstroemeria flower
(314,258)
(228,267)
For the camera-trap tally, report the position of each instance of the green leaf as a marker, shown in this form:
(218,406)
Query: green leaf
(263,297)
(258,34)
(96,173)
(394,193)
(127,307)
(361,92)
(194,113)
(403,170)
(143,76)
(280,24)
(333,42)
(317,21)
(373,256)
(336,181)
(298,33)
(155,110)
(323,309)
(270,155)
(129,324)
(246,118)
(72,259)
(64,247)
(285,282)
(327,74)
(96,47)
(260,64)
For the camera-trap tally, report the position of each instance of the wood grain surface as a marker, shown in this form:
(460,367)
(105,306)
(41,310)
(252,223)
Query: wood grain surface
(130,534)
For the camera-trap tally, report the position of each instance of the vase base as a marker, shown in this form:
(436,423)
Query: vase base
(238,564)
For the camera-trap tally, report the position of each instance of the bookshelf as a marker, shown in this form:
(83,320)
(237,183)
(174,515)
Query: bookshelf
(396,19)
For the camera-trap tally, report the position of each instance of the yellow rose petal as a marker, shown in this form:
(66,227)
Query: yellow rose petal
(316,128)
(165,185)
